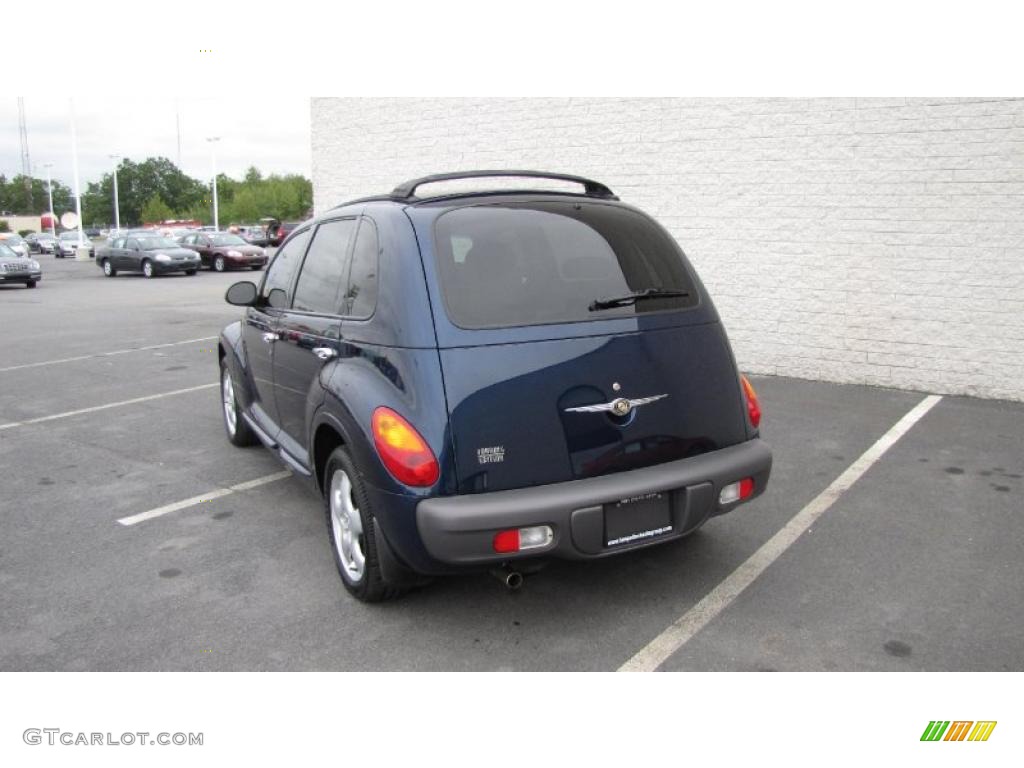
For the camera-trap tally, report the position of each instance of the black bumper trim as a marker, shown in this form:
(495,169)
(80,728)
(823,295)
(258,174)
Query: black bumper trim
(459,530)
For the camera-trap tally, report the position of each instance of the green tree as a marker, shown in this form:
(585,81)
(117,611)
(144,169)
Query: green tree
(156,210)
(14,199)
(139,183)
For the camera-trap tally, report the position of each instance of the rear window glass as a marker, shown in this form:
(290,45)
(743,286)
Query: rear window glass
(515,264)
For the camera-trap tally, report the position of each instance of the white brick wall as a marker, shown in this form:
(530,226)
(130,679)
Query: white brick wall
(876,241)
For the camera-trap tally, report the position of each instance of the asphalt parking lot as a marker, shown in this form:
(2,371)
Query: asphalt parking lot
(917,566)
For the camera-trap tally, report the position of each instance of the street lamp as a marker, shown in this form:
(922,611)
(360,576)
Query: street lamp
(82,255)
(117,207)
(49,191)
(213,154)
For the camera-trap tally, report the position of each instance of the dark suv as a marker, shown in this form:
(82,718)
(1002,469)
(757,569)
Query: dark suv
(489,379)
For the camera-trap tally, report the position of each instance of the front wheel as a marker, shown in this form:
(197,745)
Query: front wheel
(190,271)
(218,264)
(352,528)
(147,268)
(108,268)
(239,432)
(30,283)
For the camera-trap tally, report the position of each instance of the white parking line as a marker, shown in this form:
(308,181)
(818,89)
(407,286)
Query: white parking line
(654,654)
(208,496)
(93,409)
(105,354)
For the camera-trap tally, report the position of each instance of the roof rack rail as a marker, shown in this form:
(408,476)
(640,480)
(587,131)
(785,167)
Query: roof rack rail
(591,188)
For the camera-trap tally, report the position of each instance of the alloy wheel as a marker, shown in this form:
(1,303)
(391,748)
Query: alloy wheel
(347,526)
(227,389)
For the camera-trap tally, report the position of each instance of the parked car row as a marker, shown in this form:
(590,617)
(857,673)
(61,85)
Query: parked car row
(154,255)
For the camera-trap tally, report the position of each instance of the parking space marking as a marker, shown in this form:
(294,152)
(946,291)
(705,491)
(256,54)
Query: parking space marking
(655,653)
(208,496)
(93,409)
(105,354)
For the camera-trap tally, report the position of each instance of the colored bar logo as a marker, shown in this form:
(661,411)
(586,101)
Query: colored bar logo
(958,730)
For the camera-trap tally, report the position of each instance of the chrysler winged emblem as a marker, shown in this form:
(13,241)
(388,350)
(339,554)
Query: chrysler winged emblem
(620,406)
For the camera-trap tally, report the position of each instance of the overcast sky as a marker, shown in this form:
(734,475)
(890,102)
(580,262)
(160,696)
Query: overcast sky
(275,140)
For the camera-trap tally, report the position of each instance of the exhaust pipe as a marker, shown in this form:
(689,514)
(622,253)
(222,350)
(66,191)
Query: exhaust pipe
(512,580)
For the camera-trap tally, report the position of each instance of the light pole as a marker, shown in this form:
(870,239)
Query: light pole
(78,192)
(213,154)
(117,207)
(49,191)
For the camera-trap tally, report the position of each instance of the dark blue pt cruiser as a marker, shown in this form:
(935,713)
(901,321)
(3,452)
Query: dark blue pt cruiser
(488,379)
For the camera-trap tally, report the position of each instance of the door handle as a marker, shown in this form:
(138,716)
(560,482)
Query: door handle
(270,336)
(325,353)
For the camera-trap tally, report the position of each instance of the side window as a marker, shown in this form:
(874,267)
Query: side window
(325,269)
(119,243)
(132,244)
(361,296)
(281,270)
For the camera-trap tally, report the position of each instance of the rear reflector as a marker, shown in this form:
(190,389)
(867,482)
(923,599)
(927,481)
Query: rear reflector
(737,491)
(518,539)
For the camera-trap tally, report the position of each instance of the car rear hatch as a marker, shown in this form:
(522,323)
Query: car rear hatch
(555,366)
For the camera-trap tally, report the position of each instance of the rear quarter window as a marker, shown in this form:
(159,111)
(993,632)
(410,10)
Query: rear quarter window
(516,264)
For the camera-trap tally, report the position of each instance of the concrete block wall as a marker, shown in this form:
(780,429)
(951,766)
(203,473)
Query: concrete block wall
(876,241)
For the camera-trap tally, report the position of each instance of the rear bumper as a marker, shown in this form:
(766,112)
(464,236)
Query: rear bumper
(459,530)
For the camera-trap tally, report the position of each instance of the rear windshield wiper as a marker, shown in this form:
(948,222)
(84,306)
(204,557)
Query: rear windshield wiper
(634,297)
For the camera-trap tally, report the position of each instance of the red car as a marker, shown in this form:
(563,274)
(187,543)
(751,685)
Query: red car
(221,251)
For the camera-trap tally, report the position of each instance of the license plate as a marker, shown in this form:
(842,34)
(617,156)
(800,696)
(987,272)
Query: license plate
(637,519)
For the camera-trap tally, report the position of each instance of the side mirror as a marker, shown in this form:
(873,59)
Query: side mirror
(241,294)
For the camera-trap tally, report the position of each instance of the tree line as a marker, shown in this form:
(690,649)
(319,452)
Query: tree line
(156,189)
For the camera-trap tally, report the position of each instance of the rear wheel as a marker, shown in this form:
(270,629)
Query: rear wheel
(147,268)
(353,533)
(108,268)
(218,264)
(239,431)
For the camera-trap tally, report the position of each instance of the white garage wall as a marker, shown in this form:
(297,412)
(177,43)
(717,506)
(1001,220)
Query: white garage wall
(876,241)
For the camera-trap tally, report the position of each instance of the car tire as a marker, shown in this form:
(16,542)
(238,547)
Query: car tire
(30,283)
(190,271)
(147,268)
(108,268)
(219,265)
(352,531)
(256,267)
(239,432)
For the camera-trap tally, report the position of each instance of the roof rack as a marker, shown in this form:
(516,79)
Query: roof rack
(591,188)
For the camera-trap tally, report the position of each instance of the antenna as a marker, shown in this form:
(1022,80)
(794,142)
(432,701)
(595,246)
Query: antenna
(26,163)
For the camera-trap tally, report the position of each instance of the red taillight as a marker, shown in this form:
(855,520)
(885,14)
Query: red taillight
(507,541)
(753,404)
(746,487)
(406,455)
